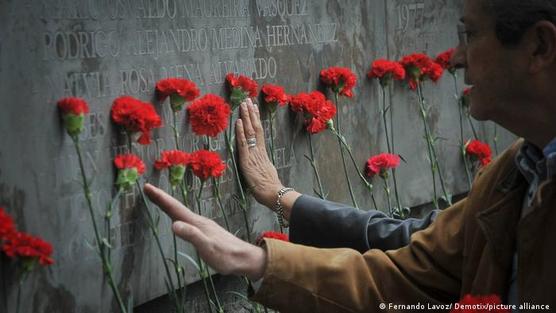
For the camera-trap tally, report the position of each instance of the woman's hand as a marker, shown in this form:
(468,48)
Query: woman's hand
(257,169)
(221,250)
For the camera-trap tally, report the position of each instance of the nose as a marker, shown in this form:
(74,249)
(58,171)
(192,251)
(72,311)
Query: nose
(458,59)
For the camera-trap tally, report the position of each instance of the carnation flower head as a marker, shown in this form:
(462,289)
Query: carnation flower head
(272,235)
(205,164)
(241,87)
(419,67)
(175,161)
(73,112)
(465,97)
(318,110)
(479,151)
(179,90)
(7,225)
(135,116)
(208,115)
(29,249)
(381,163)
(386,71)
(340,79)
(130,168)
(274,95)
(443,59)
(476,302)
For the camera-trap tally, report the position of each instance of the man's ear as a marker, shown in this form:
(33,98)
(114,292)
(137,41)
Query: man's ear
(542,39)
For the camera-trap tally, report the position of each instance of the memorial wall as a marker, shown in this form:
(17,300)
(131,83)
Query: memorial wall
(99,50)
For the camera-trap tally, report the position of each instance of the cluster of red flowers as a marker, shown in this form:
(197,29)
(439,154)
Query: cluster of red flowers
(443,59)
(317,109)
(71,105)
(171,87)
(385,71)
(479,304)
(17,244)
(420,67)
(274,94)
(208,115)
(242,82)
(479,150)
(272,235)
(205,164)
(136,116)
(379,164)
(340,79)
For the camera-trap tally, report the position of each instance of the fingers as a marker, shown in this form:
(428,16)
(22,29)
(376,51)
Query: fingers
(189,233)
(241,140)
(255,118)
(171,206)
(248,129)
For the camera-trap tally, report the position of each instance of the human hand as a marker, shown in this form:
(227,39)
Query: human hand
(257,169)
(221,250)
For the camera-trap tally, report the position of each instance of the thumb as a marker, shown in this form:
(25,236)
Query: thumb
(189,233)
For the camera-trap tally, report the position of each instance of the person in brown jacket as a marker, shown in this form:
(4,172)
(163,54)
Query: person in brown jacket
(498,240)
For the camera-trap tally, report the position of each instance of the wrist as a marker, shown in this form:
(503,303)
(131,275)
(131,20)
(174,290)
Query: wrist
(254,265)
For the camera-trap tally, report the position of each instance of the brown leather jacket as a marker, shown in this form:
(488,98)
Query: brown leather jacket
(467,250)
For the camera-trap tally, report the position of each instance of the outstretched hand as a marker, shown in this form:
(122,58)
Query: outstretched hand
(221,250)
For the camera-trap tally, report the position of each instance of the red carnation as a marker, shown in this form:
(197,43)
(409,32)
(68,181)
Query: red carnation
(275,95)
(175,161)
(479,151)
(272,235)
(465,95)
(136,116)
(7,226)
(130,167)
(171,158)
(208,115)
(205,164)
(478,304)
(467,91)
(419,67)
(340,79)
(317,109)
(28,247)
(444,58)
(72,105)
(386,70)
(247,85)
(379,164)
(73,110)
(178,89)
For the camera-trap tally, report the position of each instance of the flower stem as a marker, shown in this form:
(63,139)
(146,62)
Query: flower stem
(271,141)
(313,163)
(101,246)
(204,272)
(363,179)
(19,287)
(390,145)
(496,139)
(175,129)
(387,190)
(461,138)
(216,190)
(342,151)
(242,199)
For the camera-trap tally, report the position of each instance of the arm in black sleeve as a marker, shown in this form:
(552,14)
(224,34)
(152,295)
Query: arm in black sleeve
(325,224)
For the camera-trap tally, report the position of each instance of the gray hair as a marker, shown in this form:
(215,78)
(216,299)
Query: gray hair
(513,17)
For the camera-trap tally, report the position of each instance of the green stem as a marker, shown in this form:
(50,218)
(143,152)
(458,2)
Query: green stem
(216,190)
(243,199)
(106,266)
(387,190)
(390,145)
(470,121)
(204,272)
(461,137)
(496,139)
(19,287)
(363,179)
(383,113)
(271,141)
(429,144)
(314,165)
(175,129)
(342,152)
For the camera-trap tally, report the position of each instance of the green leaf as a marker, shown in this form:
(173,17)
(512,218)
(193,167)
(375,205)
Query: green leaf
(237,97)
